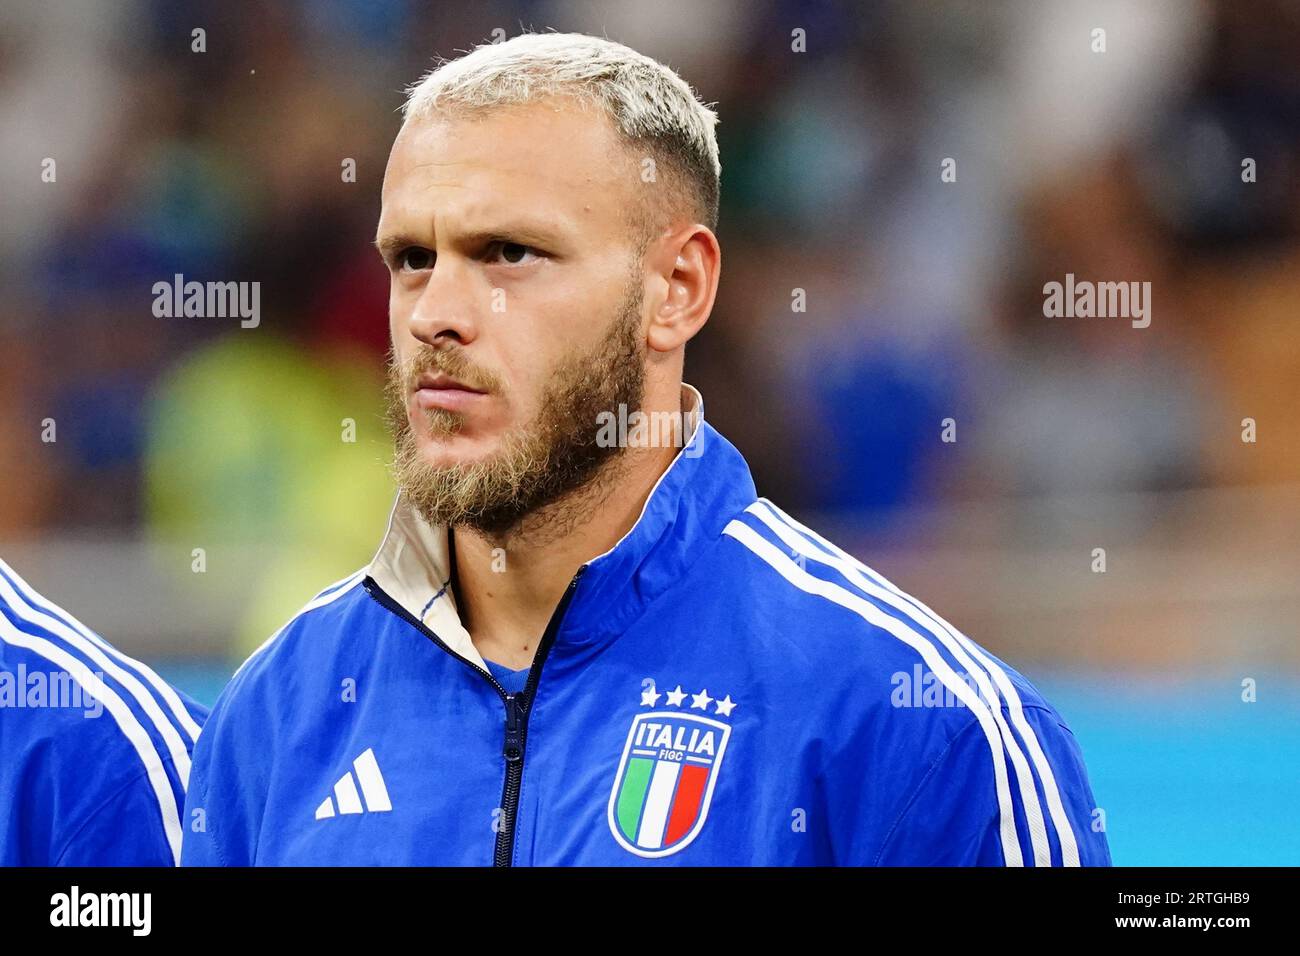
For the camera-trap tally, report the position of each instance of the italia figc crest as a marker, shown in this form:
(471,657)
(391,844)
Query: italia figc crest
(670,765)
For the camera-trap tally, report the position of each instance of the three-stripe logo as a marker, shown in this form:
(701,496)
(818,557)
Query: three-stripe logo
(347,796)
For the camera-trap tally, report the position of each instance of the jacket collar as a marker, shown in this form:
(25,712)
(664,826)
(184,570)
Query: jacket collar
(704,486)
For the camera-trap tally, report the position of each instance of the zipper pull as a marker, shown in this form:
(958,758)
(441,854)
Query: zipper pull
(514,722)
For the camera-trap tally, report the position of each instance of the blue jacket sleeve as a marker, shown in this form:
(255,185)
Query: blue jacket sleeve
(200,846)
(126,830)
(955,818)
(222,804)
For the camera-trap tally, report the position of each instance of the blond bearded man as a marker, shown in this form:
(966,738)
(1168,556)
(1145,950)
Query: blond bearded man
(581,644)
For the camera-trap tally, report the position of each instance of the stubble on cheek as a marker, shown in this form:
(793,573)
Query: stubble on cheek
(548,459)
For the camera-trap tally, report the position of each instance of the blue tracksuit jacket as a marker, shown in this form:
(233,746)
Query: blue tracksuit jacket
(724,686)
(94,746)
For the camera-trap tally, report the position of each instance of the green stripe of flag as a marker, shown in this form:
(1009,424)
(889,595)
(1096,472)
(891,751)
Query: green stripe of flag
(630,801)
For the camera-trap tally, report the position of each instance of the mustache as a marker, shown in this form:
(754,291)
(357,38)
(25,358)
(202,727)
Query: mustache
(451,362)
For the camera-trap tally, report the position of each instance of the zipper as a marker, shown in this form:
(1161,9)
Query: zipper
(516,705)
(517,710)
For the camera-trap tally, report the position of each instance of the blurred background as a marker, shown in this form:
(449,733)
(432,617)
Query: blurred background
(185,485)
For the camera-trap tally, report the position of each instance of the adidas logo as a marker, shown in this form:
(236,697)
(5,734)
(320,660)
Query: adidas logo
(345,791)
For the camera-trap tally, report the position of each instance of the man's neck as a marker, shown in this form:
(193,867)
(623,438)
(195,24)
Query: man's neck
(508,587)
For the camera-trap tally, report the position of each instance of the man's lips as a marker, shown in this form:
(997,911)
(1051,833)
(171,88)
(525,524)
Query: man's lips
(442,391)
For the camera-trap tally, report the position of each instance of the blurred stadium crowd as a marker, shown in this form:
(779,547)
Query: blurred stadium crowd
(924,297)
(186,445)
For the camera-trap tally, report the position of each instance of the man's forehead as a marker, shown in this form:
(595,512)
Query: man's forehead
(537,170)
(551,145)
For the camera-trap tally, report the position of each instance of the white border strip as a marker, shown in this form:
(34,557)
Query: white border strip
(176,747)
(801,579)
(165,690)
(1060,820)
(1024,776)
(126,721)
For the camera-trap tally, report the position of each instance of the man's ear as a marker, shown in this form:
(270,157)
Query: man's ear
(688,263)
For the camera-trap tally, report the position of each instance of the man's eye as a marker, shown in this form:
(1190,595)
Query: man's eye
(414,259)
(511,252)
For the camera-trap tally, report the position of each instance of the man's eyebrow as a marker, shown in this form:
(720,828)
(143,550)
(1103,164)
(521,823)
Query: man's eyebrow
(391,245)
(529,234)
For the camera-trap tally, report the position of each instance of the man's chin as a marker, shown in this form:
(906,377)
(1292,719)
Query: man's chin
(461,450)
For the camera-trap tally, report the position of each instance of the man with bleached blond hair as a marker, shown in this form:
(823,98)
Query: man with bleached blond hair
(581,644)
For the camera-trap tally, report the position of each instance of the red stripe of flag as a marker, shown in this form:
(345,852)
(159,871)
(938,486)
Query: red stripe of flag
(686,802)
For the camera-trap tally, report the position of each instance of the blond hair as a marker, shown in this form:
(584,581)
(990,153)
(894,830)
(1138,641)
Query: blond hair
(652,108)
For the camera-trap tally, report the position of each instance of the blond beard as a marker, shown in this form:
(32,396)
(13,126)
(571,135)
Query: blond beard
(546,473)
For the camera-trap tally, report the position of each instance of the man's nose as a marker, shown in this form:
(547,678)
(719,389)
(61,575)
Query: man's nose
(446,310)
